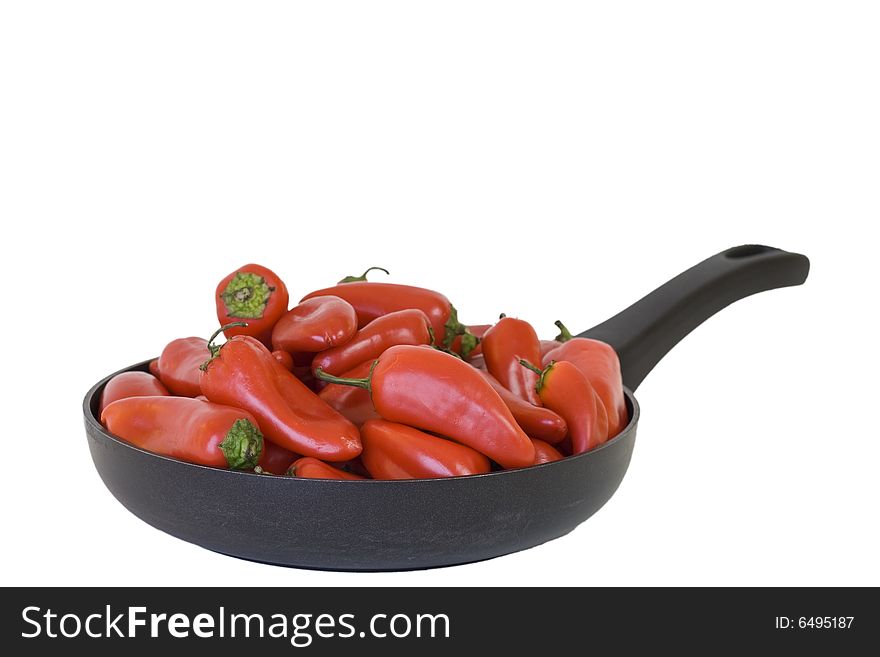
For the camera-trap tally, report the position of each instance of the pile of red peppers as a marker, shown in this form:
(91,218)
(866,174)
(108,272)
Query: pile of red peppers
(366,380)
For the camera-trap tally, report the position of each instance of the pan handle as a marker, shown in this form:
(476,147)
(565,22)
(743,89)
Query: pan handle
(646,331)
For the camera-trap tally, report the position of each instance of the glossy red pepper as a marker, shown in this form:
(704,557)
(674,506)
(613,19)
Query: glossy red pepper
(536,421)
(396,451)
(434,391)
(187,429)
(275,459)
(284,358)
(400,327)
(179,365)
(255,295)
(154,367)
(504,345)
(352,402)
(600,364)
(243,373)
(468,344)
(564,388)
(315,324)
(372,300)
(311,468)
(131,384)
(545,453)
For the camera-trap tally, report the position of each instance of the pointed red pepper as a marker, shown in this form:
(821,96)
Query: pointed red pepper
(564,388)
(545,453)
(179,365)
(311,468)
(131,384)
(187,429)
(314,325)
(401,327)
(243,373)
(396,451)
(600,364)
(434,391)
(372,300)
(536,421)
(504,345)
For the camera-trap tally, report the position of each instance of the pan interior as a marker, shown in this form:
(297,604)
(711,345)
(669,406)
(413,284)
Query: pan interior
(90,409)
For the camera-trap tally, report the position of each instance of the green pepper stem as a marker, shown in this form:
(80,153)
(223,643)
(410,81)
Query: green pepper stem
(363,277)
(242,445)
(469,342)
(564,334)
(452,328)
(346,381)
(528,365)
(542,374)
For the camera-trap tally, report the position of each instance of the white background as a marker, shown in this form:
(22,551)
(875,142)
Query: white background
(548,160)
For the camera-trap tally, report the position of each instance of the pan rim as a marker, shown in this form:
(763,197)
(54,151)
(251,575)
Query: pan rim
(94,423)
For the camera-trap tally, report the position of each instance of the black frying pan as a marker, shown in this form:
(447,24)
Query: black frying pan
(399,525)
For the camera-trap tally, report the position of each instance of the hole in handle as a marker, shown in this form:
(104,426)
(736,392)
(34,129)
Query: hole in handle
(747,250)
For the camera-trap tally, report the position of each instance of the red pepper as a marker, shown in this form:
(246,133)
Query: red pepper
(468,345)
(187,429)
(547,346)
(244,374)
(130,384)
(372,300)
(401,327)
(504,345)
(600,364)
(275,459)
(396,451)
(536,421)
(545,453)
(352,402)
(437,392)
(284,358)
(179,365)
(254,294)
(311,468)
(154,367)
(315,324)
(564,388)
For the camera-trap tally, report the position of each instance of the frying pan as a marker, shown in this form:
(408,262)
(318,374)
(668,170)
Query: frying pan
(402,525)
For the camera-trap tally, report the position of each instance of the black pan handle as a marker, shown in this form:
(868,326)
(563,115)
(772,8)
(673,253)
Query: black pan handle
(646,331)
